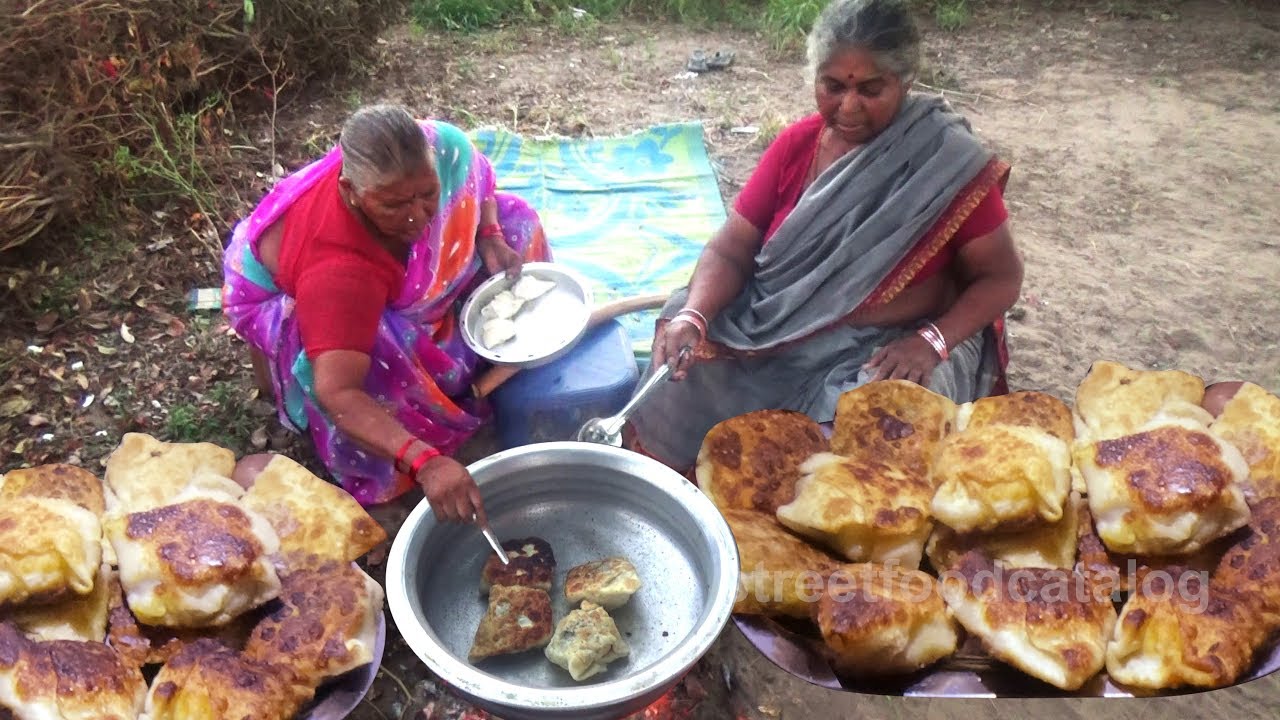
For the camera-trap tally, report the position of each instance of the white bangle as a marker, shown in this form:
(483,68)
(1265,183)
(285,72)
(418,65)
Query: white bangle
(702,331)
(695,313)
(936,340)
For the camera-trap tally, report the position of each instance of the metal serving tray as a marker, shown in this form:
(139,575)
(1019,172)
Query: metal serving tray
(968,674)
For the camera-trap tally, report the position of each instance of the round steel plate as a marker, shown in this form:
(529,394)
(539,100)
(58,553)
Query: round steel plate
(546,327)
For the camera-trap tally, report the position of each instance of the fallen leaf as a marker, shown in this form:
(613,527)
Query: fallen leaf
(82,381)
(37,420)
(14,407)
(46,322)
(106,350)
(126,334)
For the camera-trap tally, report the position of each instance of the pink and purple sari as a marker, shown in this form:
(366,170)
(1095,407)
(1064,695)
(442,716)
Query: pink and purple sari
(422,370)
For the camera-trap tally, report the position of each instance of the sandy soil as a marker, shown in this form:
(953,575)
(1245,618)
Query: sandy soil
(1143,195)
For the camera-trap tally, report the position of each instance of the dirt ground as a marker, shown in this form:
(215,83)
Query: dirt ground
(1144,197)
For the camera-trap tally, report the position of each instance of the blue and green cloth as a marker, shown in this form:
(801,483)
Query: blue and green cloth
(629,213)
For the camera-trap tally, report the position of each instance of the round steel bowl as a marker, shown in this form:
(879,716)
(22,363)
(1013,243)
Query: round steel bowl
(589,502)
(546,328)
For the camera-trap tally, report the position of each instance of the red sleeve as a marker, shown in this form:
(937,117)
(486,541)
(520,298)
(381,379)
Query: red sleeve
(339,306)
(758,200)
(989,215)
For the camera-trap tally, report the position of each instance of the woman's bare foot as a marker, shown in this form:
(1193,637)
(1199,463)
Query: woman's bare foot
(1217,395)
(248,468)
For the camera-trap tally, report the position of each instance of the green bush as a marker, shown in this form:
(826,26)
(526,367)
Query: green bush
(472,15)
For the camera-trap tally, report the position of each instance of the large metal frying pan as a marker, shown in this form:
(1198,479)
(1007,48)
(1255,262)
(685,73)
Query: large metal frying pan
(588,502)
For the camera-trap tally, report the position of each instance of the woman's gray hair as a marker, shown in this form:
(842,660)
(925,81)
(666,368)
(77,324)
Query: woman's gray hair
(884,28)
(382,143)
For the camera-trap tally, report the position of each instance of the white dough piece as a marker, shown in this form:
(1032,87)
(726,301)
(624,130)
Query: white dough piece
(497,331)
(529,287)
(504,305)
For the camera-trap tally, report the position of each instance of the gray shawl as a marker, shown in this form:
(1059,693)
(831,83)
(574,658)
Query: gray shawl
(851,227)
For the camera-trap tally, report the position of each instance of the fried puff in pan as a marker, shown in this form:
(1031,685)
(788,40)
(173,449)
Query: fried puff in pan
(752,461)
(780,573)
(67,679)
(1051,624)
(893,422)
(863,510)
(880,620)
(1251,422)
(1169,489)
(533,564)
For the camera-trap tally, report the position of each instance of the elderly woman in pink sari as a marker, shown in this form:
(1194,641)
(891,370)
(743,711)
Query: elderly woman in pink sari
(346,282)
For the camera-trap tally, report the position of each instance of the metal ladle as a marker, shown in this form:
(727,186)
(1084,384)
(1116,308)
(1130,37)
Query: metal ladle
(608,430)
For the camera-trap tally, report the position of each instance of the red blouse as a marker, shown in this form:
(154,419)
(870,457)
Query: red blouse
(778,181)
(340,278)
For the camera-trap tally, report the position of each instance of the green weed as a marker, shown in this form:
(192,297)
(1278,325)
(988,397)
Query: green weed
(219,416)
(770,126)
(951,15)
(569,22)
(176,162)
(614,58)
(787,22)
(568,15)
(464,15)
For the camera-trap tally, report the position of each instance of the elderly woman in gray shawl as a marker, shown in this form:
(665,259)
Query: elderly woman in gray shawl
(869,243)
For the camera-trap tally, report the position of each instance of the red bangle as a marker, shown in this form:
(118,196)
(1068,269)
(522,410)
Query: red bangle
(421,459)
(491,230)
(404,449)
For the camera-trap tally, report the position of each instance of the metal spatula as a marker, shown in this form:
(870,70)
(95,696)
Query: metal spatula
(608,431)
(493,541)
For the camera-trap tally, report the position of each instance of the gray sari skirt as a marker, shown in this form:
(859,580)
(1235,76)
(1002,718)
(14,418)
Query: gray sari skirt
(808,377)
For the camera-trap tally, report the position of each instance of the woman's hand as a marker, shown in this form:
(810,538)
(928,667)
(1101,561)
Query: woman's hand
(498,256)
(451,490)
(668,344)
(908,358)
